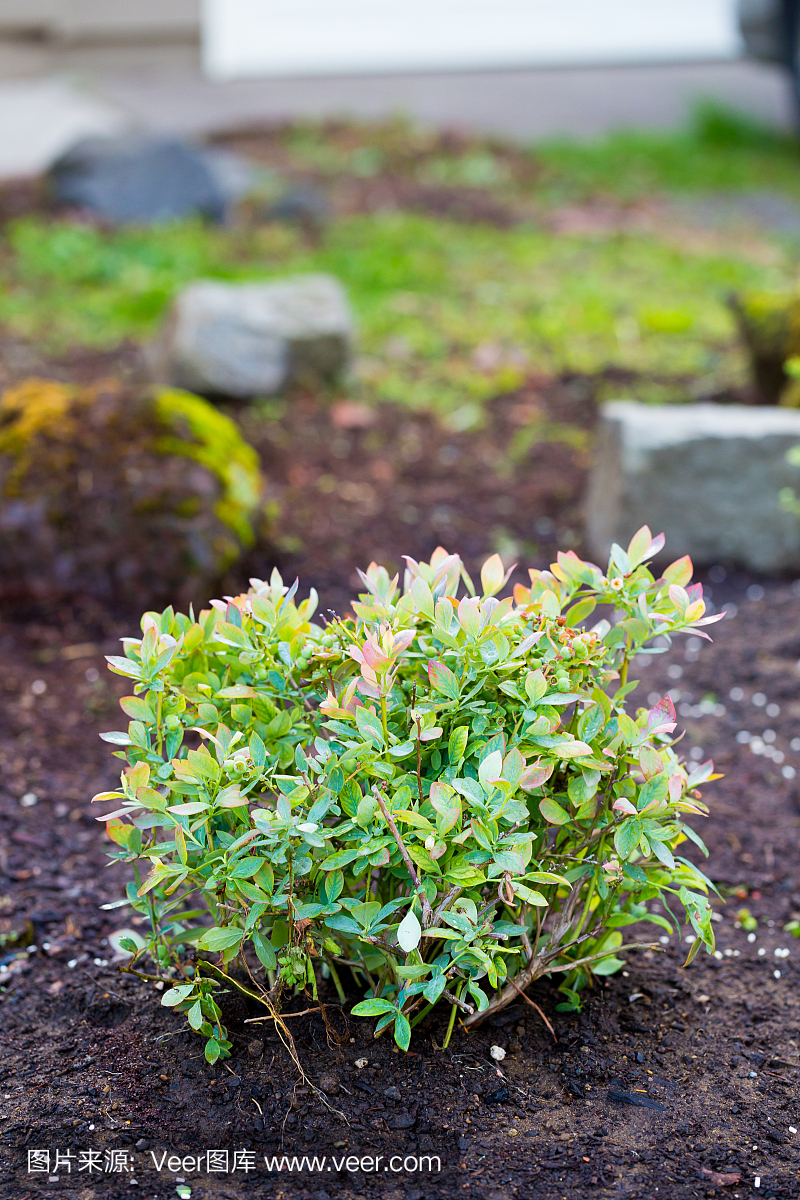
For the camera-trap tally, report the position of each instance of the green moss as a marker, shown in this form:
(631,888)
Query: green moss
(33,407)
(153,494)
(218,445)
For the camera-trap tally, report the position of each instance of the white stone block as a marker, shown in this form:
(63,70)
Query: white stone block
(252,339)
(708,475)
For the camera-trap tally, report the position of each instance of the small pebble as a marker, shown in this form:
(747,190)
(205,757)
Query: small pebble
(29,800)
(142,1144)
(255,1049)
(328,1083)
(392,1093)
(497,1053)
(792,1129)
(361,1063)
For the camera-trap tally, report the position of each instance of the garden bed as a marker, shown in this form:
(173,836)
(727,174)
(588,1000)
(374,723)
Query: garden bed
(671,1082)
(667,1080)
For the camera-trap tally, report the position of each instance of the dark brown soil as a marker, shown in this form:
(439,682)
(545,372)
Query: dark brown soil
(672,1082)
(355,484)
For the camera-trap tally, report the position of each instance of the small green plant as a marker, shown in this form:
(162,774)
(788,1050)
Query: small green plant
(445,797)
(746,920)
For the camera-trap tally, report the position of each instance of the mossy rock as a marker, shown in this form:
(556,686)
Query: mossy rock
(769,323)
(131,497)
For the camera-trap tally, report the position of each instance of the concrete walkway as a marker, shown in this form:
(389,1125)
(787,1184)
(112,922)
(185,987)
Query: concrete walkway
(525,104)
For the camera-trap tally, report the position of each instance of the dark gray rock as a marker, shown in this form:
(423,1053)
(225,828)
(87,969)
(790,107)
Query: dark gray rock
(301,205)
(709,476)
(252,339)
(400,1120)
(146,179)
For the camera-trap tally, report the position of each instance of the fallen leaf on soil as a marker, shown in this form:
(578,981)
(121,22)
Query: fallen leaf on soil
(720,1180)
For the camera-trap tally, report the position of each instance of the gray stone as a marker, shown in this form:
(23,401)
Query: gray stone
(708,475)
(252,339)
(143,179)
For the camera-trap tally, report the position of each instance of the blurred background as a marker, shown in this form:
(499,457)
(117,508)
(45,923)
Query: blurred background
(398,258)
(527,68)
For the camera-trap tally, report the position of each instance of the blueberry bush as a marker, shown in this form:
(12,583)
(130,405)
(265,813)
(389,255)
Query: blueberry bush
(436,798)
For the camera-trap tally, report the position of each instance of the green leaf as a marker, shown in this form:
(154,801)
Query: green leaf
(591,722)
(372,1008)
(509,860)
(340,858)
(331,886)
(213,1050)
(407,816)
(443,680)
(608,966)
(530,895)
(219,939)
(424,861)
(572,749)
(264,950)
(176,995)
(553,812)
(195,1015)
(369,726)
(239,691)
(124,666)
(655,789)
(535,686)
(627,837)
(434,988)
(247,867)
(663,853)
(639,630)
(402,1031)
(258,752)
(138,709)
(457,744)
(422,596)
(580,611)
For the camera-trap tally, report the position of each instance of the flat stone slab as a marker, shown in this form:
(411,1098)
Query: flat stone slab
(40,119)
(708,475)
(252,339)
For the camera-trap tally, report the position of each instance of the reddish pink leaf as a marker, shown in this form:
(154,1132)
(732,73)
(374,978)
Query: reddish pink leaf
(534,776)
(680,571)
(661,718)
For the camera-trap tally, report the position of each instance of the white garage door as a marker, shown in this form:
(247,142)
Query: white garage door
(297,37)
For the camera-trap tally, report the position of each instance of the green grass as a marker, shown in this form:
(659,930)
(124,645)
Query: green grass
(719,150)
(451,313)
